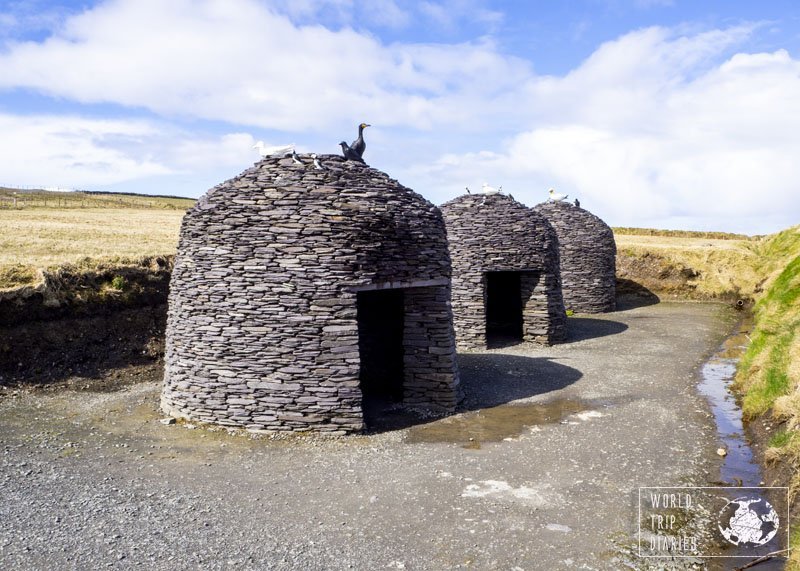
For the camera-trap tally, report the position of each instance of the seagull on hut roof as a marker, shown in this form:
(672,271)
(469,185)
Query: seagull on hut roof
(295,158)
(349,153)
(490,189)
(317,164)
(556,197)
(359,146)
(278,151)
(577,203)
(468,190)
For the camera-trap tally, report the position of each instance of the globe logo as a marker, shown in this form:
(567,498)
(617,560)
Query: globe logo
(748,521)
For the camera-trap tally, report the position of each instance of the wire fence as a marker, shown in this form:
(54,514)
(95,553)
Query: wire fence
(22,197)
(40,187)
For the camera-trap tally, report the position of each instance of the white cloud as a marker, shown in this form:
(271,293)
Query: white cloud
(652,3)
(387,13)
(654,128)
(28,15)
(8,20)
(236,61)
(72,152)
(450,13)
(648,131)
(230,150)
(78,152)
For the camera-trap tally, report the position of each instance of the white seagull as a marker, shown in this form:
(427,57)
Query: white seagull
(490,189)
(278,151)
(317,164)
(556,197)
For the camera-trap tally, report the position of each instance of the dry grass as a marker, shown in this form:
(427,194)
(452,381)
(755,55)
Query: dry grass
(33,239)
(28,199)
(713,267)
(621,230)
(689,243)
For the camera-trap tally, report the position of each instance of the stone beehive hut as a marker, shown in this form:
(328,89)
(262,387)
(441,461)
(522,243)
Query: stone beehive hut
(300,296)
(505,272)
(588,257)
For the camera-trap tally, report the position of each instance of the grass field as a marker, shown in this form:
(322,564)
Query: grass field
(45,235)
(46,238)
(26,199)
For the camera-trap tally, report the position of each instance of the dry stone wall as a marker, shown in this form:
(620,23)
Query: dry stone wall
(588,257)
(262,329)
(494,232)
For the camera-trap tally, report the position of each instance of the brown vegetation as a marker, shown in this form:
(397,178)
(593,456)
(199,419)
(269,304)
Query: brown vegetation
(33,240)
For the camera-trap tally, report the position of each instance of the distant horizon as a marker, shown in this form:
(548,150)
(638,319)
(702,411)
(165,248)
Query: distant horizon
(728,234)
(655,113)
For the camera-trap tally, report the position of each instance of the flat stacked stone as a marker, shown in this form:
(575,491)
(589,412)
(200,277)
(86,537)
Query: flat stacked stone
(494,232)
(588,257)
(262,329)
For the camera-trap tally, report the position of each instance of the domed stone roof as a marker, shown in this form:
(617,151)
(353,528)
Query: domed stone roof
(496,240)
(588,257)
(265,327)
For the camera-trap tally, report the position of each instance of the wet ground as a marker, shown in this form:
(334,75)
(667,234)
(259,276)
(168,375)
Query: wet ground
(739,466)
(540,471)
(739,469)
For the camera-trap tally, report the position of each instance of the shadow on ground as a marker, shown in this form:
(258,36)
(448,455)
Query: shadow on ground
(489,380)
(97,349)
(582,328)
(631,294)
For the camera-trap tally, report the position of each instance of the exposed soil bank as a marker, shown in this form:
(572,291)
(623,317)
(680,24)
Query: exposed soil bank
(55,352)
(92,479)
(651,275)
(81,321)
(99,289)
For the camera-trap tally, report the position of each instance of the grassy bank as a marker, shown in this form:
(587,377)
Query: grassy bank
(768,378)
(768,373)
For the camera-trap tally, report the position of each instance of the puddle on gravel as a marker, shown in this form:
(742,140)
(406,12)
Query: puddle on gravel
(739,467)
(470,429)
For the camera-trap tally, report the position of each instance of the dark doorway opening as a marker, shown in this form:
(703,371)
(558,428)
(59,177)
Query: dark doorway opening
(380,344)
(503,308)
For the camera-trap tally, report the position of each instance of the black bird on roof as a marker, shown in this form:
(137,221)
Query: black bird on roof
(359,146)
(577,203)
(349,153)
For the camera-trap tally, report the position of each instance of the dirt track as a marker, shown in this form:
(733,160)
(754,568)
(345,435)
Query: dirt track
(540,472)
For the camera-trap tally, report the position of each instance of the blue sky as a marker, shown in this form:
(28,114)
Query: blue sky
(654,113)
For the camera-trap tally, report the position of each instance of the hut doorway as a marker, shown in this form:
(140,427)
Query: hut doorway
(503,308)
(381,321)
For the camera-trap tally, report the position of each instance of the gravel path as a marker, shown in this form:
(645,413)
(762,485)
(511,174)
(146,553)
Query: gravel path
(92,480)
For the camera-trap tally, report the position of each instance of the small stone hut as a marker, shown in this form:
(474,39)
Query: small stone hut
(506,284)
(301,295)
(588,257)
